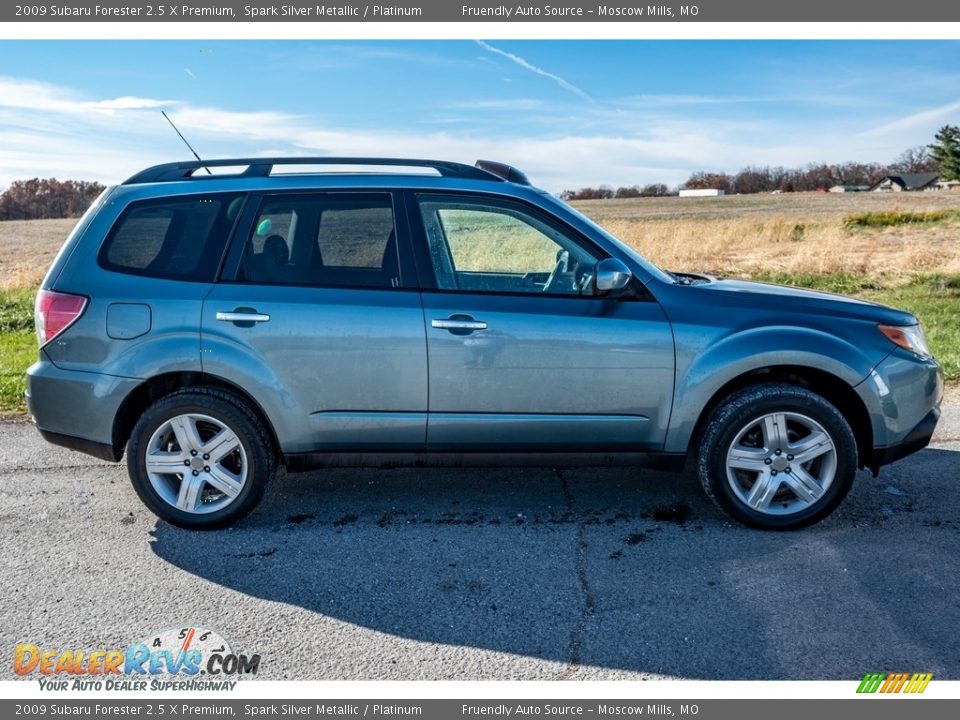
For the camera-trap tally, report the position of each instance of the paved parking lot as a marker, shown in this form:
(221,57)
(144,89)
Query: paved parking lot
(483,574)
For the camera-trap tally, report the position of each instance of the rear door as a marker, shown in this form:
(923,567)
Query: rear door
(522,355)
(319,316)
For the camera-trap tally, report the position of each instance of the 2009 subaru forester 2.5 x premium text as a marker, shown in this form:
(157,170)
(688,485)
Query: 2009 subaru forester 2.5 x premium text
(297,311)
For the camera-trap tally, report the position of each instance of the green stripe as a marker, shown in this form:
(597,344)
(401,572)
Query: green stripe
(871,682)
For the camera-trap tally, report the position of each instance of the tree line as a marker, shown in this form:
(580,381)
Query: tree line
(943,157)
(40,199)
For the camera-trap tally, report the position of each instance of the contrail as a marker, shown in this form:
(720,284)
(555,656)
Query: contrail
(537,70)
(190,73)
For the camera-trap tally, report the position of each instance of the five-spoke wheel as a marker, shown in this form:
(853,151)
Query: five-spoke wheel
(777,456)
(196,463)
(200,458)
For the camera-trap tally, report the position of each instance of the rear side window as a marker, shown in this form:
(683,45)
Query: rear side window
(178,238)
(323,240)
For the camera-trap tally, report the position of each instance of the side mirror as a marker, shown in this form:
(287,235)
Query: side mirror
(611,276)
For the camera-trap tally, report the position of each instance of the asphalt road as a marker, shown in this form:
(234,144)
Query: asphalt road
(492,574)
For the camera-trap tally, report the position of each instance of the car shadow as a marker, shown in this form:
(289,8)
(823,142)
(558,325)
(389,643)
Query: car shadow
(607,568)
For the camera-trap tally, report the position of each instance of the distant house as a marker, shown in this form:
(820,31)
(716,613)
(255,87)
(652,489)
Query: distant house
(711,192)
(949,185)
(907,182)
(849,188)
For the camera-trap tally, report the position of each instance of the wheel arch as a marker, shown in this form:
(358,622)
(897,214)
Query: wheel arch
(835,390)
(148,392)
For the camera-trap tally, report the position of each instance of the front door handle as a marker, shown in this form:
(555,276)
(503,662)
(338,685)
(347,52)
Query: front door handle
(242,315)
(459,324)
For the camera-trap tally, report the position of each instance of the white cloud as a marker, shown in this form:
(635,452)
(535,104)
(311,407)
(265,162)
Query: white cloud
(926,119)
(536,70)
(52,131)
(30,95)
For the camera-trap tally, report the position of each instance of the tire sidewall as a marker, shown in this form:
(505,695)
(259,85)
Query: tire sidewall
(735,414)
(224,412)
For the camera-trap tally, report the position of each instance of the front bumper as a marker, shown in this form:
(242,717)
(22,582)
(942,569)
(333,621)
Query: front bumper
(916,439)
(903,396)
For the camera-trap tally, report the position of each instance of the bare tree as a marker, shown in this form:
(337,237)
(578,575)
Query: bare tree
(709,181)
(915,160)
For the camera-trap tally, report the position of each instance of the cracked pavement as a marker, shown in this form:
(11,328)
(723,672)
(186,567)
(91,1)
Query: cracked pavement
(587,573)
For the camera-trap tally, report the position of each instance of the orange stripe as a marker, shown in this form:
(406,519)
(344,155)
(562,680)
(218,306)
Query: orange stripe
(887,683)
(903,679)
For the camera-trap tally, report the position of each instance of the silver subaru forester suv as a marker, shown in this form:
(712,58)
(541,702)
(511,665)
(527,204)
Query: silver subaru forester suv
(312,312)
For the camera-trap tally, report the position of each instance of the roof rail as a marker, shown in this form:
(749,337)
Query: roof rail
(263,166)
(502,170)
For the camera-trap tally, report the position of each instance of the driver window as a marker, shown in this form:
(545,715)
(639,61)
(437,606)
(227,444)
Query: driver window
(480,246)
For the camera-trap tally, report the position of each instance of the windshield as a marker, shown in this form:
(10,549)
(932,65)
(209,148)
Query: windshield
(622,246)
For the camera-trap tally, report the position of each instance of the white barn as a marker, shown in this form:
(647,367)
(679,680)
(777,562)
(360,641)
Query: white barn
(706,192)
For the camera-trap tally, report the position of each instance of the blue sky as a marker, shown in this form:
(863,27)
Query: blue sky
(568,113)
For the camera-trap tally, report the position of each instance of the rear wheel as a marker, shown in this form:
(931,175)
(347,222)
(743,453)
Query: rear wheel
(199,458)
(777,456)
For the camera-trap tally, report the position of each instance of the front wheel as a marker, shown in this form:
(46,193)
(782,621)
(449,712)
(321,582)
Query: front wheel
(777,456)
(199,458)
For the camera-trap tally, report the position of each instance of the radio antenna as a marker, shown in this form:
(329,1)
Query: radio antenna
(189,146)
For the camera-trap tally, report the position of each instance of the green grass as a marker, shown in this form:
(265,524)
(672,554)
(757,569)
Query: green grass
(18,350)
(935,299)
(893,218)
(18,347)
(16,310)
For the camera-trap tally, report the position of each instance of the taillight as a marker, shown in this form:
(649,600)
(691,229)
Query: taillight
(55,312)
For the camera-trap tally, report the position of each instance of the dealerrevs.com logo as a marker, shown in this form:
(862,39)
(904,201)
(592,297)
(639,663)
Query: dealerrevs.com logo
(190,658)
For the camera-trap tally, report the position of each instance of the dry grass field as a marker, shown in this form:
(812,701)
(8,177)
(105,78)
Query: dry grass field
(903,250)
(805,233)
(27,248)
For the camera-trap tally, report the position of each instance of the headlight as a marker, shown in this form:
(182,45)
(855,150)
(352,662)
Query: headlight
(909,337)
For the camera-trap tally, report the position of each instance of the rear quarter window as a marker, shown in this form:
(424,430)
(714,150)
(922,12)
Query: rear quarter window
(180,238)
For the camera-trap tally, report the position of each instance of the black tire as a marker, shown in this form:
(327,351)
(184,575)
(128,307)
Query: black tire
(231,412)
(735,413)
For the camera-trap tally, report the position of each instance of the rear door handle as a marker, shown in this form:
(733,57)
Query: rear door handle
(459,322)
(243,316)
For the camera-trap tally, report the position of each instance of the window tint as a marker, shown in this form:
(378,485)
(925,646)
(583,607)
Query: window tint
(483,246)
(355,234)
(179,238)
(327,240)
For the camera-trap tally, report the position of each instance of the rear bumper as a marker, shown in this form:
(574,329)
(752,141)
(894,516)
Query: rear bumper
(88,447)
(76,409)
(916,439)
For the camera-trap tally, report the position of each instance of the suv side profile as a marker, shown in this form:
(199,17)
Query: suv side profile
(217,326)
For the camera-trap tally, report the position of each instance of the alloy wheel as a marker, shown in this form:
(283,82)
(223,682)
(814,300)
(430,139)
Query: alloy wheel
(781,463)
(196,463)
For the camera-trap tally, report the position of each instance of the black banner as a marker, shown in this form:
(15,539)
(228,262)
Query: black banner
(453,11)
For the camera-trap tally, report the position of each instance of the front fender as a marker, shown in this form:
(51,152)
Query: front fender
(704,368)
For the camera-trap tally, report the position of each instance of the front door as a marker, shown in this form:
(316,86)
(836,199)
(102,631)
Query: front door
(522,355)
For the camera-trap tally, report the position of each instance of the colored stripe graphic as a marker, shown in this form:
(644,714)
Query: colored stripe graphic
(918,683)
(871,682)
(894,683)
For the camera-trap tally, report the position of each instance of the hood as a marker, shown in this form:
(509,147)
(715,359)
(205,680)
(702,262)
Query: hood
(784,297)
